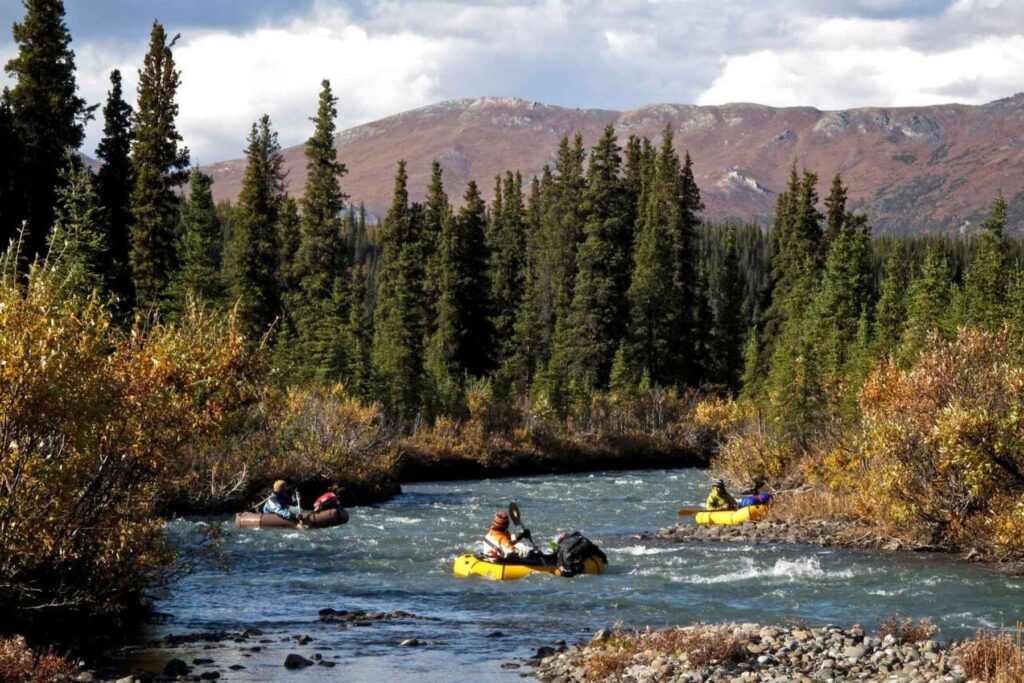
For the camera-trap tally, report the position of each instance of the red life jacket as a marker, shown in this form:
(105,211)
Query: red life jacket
(325,501)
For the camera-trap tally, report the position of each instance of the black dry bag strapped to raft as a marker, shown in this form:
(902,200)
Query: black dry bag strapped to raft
(573,551)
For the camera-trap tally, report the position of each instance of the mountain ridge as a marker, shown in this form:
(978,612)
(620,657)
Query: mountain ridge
(929,168)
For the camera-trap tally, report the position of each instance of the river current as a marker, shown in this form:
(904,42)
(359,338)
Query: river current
(398,556)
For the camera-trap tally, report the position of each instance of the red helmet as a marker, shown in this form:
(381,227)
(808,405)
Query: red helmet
(501,520)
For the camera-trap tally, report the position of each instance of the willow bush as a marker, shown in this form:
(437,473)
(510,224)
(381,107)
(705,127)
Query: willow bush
(91,419)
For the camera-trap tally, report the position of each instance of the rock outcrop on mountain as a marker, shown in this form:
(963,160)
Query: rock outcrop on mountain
(913,169)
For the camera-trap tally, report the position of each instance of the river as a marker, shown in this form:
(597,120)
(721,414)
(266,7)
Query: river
(398,556)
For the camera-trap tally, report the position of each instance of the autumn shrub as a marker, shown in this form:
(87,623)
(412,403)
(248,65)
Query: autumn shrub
(993,657)
(907,630)
(700,646)
(940,454)
(323,431)
(20,664)
(751,452)
(91,419)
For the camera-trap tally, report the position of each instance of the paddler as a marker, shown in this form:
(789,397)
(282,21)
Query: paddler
(281,501)
(499,542)
(720,498)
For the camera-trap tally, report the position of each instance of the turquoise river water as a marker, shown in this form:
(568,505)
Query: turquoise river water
(398,556)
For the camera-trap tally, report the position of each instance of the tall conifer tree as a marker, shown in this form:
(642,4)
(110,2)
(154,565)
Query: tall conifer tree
(159,166)
(200,250)
(928,303)
(114,186)
(890,316)
(398,339)
(252,255)
(11,200)
(77,241)
(507,241)
(727,315)
(48,114)
(595,325)
(987,281)
(322,259)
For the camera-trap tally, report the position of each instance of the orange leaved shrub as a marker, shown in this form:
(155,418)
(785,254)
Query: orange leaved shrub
(90,418)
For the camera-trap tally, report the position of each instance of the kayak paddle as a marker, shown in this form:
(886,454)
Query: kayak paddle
(516,517)
(689,512)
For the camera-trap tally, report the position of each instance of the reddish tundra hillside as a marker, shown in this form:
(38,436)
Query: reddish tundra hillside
(913,169)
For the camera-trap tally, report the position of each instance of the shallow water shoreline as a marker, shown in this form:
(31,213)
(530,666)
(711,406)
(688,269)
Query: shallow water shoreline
(845,534)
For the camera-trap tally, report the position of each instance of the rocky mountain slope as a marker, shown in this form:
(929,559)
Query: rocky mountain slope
(912,169)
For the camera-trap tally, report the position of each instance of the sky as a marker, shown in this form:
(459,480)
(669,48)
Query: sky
(243,58)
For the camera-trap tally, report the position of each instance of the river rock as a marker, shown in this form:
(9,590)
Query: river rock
(175,668)
(410,642)
(327,663)
(201,661)
(303,640)
(209,676)
(294,661)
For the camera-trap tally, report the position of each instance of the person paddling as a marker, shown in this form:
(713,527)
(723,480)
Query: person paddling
(720,498)
(499,542)
(281,501)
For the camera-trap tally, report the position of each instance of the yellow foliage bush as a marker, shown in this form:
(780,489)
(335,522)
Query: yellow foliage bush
(90,418)
(942,444)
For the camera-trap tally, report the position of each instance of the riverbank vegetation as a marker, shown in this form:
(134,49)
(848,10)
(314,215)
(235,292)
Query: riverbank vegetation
(162,354)
(901,650)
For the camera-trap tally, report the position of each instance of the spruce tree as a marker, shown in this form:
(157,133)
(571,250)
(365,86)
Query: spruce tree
(11,201)
(928,303)
(686,220)
(436,211)
(289,236)
(845,291)
(835,210)
(358,335)
(595,325)
(890,315)
(199,251)
(652,348)
(48,115)
(462,339)
(399,318)
(321,256)
(507,242)
(251,262)
(114,185)
(77,244)
(728,320)
(528,347)
(987,280)
(321,261)
(558,240)
(159,167)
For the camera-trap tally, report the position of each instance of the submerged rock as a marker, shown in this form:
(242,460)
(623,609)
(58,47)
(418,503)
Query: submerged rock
(175,668)
(294,661)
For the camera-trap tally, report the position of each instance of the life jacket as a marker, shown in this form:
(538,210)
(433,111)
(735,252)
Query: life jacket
(328,500)
(499,543)
(573,551)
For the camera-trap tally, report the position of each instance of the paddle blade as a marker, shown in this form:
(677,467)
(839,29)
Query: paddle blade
(513,514)
(689,512)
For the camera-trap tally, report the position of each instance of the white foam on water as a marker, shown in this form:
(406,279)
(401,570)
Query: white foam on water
(405,520)
(800,569)
(631,482)
(638,550)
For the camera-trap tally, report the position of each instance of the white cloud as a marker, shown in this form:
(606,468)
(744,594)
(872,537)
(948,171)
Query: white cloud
(394,55)
(873,65)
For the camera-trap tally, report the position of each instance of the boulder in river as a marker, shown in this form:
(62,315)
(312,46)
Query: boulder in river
(294,661)
(175,668)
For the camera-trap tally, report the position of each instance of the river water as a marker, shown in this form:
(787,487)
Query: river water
(398,556)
